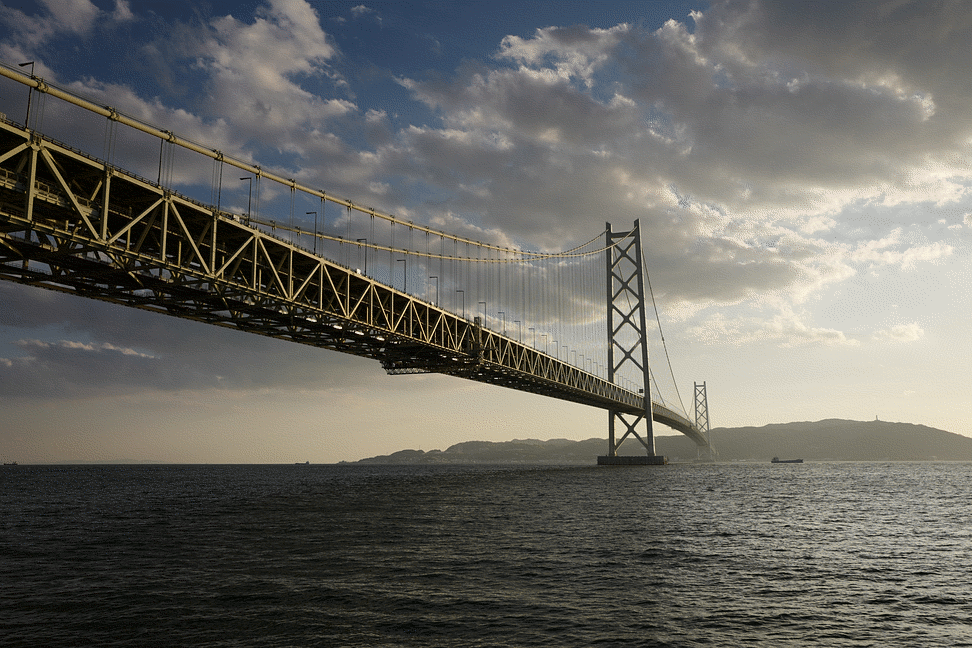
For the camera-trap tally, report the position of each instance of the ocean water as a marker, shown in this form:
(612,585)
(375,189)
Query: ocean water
(817,554)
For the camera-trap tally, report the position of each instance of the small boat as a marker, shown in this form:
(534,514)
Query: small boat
(778,460)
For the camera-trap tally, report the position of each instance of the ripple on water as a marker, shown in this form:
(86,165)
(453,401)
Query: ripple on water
(836,555)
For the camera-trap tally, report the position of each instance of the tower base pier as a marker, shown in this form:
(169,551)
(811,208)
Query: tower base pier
(632,460)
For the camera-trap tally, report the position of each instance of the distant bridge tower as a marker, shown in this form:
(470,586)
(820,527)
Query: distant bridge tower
(702,420)
(627,340)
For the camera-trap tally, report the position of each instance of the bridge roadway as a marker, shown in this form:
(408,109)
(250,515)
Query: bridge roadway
(72,223)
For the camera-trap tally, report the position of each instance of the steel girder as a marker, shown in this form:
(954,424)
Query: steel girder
(72,223)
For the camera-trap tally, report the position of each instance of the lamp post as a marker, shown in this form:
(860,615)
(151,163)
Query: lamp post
(249,197)
(365,241)
(436,302)
(519,331)
(315,229)
(531,328)
(463,302)
(484,312)
(30,92)
(544,336)
(404,274)
(503,314)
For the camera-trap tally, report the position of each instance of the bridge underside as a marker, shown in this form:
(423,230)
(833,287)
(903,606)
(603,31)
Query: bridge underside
(71,223)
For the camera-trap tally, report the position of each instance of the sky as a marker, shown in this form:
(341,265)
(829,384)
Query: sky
(801,172)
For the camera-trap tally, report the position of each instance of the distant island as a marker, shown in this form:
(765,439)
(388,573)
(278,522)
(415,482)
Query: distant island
(827,440)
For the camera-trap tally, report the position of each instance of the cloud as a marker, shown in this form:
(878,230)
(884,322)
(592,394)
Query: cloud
(102,348)
(741,145)
(567,52)
(60,17)
(74,15)
(253,70)
(876,252)
(786,329)
(743,139)
(900,333)
(361,10)
(70,368)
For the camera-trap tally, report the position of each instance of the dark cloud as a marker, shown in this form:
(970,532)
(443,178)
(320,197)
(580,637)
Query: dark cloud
(92,347)
(68,369)
(736,142)
(737,136)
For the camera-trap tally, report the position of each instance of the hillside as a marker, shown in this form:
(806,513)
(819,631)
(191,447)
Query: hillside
(830,439)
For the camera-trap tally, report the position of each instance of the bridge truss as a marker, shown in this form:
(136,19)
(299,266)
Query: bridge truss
(72,223)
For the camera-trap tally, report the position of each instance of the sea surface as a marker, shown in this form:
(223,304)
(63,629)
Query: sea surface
(814,554)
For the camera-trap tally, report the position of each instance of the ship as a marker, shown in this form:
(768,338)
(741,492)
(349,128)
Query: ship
(778,460)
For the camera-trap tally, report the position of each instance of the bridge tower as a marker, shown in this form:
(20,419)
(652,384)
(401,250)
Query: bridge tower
(702,420)
(627,341)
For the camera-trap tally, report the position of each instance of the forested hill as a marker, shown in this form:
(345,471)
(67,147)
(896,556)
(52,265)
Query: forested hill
(830,439)
(835,439)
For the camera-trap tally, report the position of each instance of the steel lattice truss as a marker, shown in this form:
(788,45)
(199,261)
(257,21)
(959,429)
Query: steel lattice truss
(71,223)
(702,417)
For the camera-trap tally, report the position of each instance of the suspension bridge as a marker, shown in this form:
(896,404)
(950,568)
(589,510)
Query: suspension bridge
(303,265)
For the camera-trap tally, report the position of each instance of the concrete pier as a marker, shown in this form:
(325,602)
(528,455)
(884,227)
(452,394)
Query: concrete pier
(632,460)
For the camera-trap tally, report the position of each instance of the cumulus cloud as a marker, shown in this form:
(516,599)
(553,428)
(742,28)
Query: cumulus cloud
(59,17)
(879,253)
(76,15)
(739,143)
(122,12)
(361,10)
(900,333)
(565,53)
(784,329)
(253,70)
(740,137)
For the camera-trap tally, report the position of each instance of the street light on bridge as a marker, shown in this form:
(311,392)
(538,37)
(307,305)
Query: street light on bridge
(315,229)
(463,302)
(249,197)
(436,302)
(365,241)
(30,92)
(404,275)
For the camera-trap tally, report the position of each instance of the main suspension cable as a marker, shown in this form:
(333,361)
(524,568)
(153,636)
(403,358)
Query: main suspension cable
(519,256)
(664,345)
